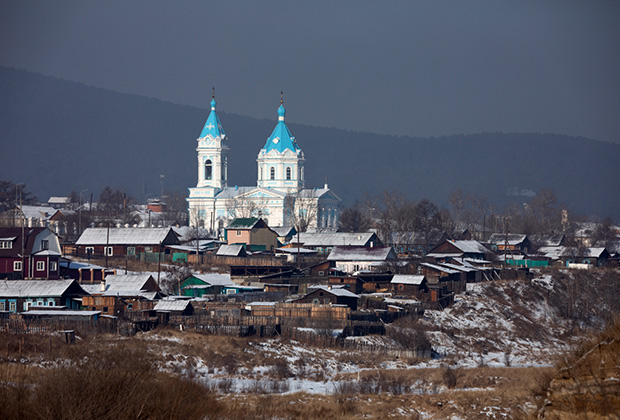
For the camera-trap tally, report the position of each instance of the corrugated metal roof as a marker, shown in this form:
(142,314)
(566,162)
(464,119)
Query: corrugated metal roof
(126,285)
(216,279)
(123,236)
(470,246)
(337,291)
(360,253)
(439,268)
(172,305)
(329,239)
(34,288)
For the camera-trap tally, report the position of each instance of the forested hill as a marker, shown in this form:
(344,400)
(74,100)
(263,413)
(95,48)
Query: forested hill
(59,136)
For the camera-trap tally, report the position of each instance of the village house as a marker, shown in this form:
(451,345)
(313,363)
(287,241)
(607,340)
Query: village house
(458,249)
(410,285)
(511,243)
(143,243)
(29,253)
(120,295)
(198,285)
(327,295)
(448,279)
(236,250)
(351,259)
(175,307)
(251,232)
(21,295)
(84,272)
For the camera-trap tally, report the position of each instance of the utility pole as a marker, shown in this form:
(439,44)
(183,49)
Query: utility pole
(80,214)
(158,263)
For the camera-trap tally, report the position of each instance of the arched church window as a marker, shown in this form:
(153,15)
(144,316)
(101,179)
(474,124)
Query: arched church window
(288,174)
(208,169)
(272,173)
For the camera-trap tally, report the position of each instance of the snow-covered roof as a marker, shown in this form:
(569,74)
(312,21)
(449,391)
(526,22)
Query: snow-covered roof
(34,288)
(124,236)
(337,291)
(172,305)
(553,252)
(38,212)
(547,239)
(294,250)
(230,250)
(126,284)
(59,200)
(457,267)
(216,279)
(361,253)
(512,238)
(414,279)
(328,239)
(439,268)
(470,246)
(283,230)
(53,312)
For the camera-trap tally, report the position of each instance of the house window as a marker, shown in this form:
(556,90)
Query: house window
(89,250)
(6,244)
(13,306)
(2,305)
(40,265)
(272,173)
(53,266)
(39,303)
(288,174)
(238,233)
(17,266)
(208,169)
(109,251)
(131,250)
(45,244)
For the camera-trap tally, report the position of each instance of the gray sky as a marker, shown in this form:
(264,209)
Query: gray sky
(419,68)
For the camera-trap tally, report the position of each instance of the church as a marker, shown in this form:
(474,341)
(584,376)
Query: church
(279,196)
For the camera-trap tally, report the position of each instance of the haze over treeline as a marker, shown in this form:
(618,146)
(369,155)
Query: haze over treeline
(58,136)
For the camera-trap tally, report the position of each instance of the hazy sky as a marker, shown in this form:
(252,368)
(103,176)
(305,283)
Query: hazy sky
(419,68)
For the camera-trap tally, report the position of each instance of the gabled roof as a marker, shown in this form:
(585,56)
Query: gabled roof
(128,236)
(281,138)
(414,279)
(466,247)
(439,268)
(329,239)
(38,288)
(547,239)
(38,212)
(129,284)
(512,238)
(246,223)
(284,231)
(172,305)
(215,279)
(236,250)
(336,291)
(360,253)
(212,126)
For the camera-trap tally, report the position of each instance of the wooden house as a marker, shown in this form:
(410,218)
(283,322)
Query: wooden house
(413,285)
(175,307)
(448,279)
(353,283)
(20,295)
(511,243)
(29,253)
(84,272)
(198,285)
(253,233)
(327,295)
(120,295)
(351,259)
(458,249)
(143,243)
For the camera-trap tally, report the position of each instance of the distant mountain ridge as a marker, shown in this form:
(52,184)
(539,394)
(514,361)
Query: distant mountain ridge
(59,136)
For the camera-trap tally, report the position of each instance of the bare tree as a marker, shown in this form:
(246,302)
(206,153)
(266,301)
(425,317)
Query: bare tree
(301,208)
(243,206)
(354,219)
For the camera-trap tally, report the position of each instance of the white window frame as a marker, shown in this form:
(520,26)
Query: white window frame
(6,244)
(2,305)
(40,265)
(17,266)
(53,266)
(108,250)
(13,306)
